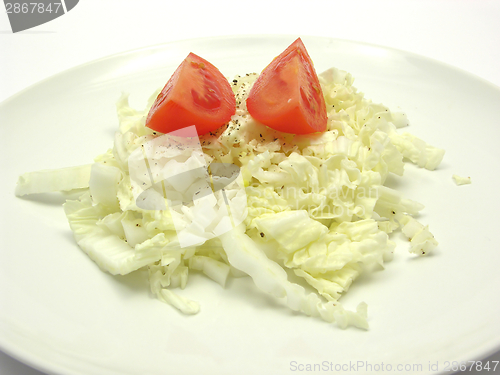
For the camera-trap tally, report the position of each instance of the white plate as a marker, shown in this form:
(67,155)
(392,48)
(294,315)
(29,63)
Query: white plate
(61,314)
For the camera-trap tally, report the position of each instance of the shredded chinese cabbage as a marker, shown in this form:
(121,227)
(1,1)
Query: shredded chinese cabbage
(51,180)
(313,204)
(459,180)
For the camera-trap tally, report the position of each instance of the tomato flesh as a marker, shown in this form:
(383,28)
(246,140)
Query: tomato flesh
(196,94)
(287,96)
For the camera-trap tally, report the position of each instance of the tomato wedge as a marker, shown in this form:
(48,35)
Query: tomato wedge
(196,94)
(287,95)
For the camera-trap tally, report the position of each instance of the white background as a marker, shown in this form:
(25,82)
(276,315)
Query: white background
(462,33)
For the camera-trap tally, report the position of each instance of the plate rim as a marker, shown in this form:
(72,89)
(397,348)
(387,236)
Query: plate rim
(242,36)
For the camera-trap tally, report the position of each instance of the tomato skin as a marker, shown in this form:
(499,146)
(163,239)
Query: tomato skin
(196,94)
(287,96)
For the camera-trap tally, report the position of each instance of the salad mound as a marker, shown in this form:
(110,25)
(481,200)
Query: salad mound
(312,204)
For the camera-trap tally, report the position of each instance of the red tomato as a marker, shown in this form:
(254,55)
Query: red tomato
(287,95)
(196,94)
